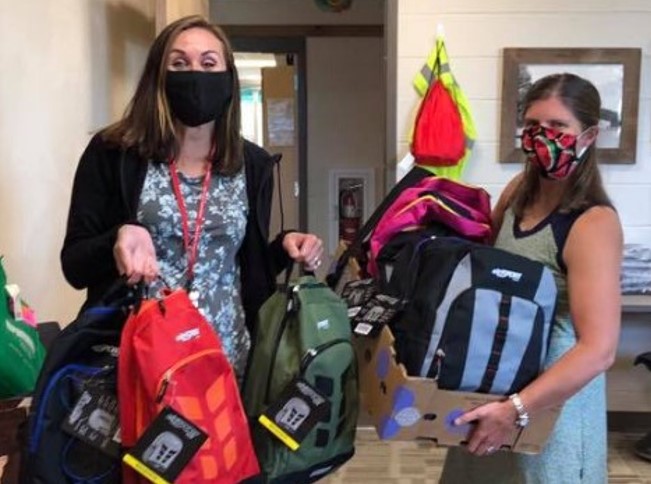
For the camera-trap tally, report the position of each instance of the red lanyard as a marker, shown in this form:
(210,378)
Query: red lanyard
(191,245)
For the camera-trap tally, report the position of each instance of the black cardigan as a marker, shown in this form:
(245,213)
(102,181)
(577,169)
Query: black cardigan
(105,196)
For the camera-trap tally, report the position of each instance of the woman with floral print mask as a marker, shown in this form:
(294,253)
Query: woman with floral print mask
(557,153)
(557,212)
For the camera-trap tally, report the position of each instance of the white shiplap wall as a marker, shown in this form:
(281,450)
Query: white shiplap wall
(476,31)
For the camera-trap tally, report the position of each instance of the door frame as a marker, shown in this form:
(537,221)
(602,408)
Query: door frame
(296,46)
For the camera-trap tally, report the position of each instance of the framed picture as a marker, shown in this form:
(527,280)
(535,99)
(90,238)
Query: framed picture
(351,200)
(614,72)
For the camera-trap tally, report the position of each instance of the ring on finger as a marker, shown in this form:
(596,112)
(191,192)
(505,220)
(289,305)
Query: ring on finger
(491,449)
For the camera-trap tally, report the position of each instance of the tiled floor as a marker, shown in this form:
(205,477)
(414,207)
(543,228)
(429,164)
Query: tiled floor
(378,462)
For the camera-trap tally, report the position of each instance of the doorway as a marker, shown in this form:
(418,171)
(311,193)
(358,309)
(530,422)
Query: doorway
(272,77)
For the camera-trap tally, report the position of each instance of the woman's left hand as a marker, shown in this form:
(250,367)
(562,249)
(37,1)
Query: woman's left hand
(304,248)
(494,424)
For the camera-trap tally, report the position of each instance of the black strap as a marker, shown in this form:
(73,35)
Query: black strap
(499,340)
(415,175)
(123,184)
(119,289)
(276,160)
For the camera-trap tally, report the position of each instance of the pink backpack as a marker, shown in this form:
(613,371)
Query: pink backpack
(465,209)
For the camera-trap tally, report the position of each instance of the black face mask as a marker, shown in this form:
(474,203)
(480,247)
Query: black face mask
(197,97)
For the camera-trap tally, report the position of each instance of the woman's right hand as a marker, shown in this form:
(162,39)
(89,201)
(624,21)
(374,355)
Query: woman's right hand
(135,255)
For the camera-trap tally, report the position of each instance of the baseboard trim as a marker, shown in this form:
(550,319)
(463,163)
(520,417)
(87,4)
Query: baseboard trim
(637,422)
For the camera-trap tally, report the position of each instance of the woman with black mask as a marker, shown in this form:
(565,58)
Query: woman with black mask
(173,190)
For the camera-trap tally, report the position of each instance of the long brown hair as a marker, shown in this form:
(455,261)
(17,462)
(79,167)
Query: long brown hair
(148,124)
(585,187)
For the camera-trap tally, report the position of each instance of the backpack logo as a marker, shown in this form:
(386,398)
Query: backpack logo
(163,451)
(507,274)
(324,324)
(186,336)
(293,414)
(114,351)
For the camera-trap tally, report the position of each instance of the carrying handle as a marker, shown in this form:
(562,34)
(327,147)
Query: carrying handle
(119,289)
(288,273)
(121,295)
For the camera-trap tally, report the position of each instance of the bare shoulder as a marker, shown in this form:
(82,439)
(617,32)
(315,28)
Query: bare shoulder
(602,220)
(597,231)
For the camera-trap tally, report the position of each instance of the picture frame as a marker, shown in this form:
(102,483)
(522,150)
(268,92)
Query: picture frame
(357,187)
(615,73)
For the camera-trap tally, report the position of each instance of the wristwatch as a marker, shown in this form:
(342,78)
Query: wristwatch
(523,416)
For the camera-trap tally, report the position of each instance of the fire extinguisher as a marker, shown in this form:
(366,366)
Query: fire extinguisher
(350,218)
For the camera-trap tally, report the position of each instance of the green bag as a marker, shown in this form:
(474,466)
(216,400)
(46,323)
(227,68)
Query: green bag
(303,331)
(21,350)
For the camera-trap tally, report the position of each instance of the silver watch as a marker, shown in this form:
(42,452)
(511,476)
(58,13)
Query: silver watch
(523,416)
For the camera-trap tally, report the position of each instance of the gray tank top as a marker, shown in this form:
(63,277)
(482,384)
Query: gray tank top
(543,243)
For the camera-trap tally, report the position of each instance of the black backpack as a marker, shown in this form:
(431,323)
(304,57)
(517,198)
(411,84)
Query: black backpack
(81,362)
(476,318)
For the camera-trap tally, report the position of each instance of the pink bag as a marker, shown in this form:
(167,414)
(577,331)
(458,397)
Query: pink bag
(463,208)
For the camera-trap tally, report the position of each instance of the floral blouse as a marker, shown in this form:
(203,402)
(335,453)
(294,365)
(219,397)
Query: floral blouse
(216,281)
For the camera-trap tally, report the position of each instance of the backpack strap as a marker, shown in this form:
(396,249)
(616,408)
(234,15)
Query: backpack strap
(499,340)
(276,161)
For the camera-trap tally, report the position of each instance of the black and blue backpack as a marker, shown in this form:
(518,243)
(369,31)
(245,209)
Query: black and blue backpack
(476,318)
(82,361)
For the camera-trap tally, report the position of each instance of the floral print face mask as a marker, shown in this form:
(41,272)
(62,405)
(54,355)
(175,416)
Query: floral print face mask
(553,151)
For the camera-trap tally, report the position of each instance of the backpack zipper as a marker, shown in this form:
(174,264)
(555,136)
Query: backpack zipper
(312,353)
(438,362)
(163,383)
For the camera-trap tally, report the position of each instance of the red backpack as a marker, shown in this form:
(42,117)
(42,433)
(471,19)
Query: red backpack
(171,357)
(439,139)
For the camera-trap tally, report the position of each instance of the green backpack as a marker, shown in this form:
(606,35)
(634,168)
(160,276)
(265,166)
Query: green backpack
(303,343)
(21,350)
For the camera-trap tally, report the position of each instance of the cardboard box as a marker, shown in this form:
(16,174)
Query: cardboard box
(408,408)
